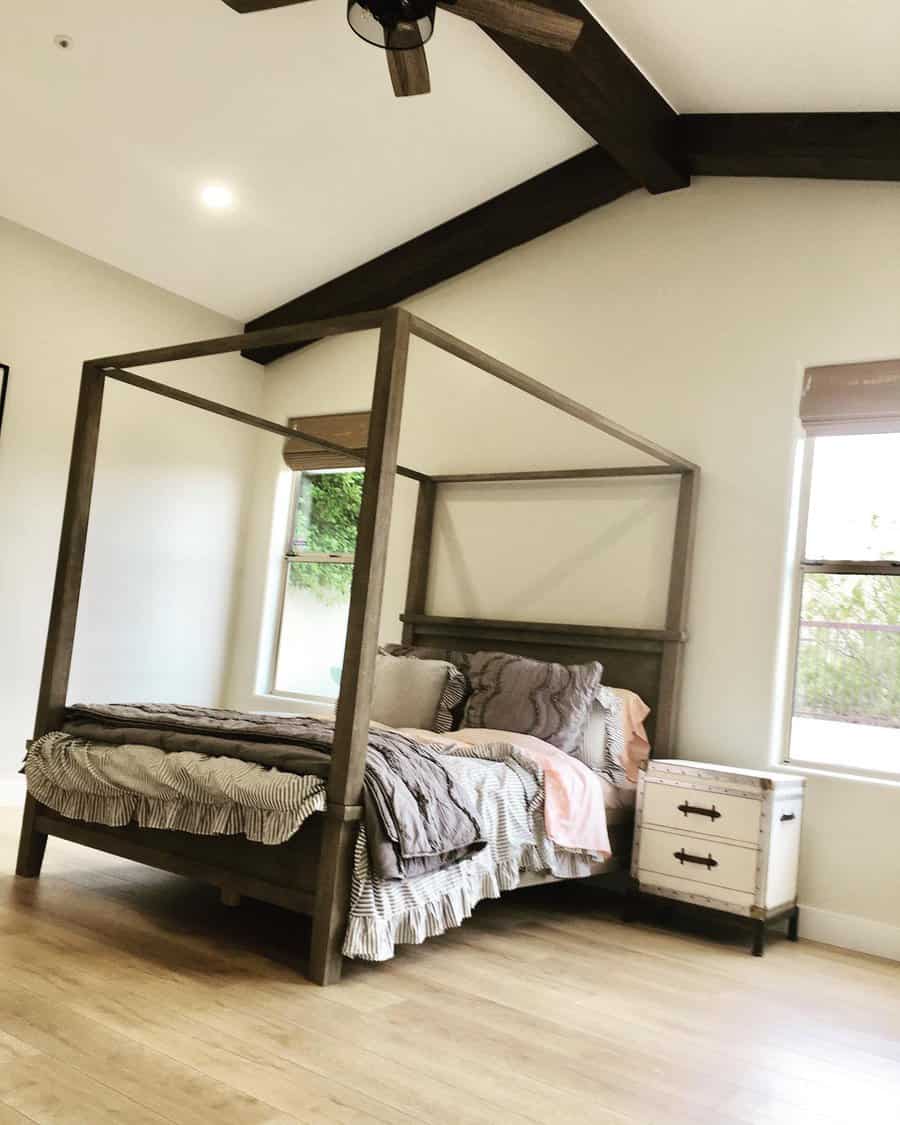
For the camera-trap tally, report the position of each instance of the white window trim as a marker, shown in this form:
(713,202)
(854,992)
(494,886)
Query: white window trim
(787,666)
(839,773)
(270,691)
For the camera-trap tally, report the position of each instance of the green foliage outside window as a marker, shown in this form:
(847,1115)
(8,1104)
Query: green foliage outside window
(850,672)
(325,522)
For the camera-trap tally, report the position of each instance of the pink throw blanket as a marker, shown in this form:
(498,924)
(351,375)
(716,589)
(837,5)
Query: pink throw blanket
(637,745)
(574,808)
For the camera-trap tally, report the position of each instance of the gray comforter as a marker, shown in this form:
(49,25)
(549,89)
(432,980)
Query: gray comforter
(419,817)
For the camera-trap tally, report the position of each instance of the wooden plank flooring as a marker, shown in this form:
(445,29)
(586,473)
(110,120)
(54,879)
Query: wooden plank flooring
(131,996)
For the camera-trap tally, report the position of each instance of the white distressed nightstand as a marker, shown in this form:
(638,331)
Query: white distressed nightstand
(724,838)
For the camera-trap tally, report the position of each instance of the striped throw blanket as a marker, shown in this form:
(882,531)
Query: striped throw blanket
(418,818)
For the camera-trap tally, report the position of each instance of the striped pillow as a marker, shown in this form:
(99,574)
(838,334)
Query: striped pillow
(452,697)
(603,745)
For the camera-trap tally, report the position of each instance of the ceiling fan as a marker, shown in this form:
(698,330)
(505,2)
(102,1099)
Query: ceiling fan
(403,27)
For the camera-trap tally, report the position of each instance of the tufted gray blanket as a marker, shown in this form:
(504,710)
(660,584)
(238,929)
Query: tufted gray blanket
(419,816)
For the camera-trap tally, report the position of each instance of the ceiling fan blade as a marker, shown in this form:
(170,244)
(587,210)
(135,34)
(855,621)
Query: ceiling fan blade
(409,72)
(247,6)
(535,24)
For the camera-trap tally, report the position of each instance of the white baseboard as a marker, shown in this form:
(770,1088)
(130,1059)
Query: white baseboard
(12,791)
(849,931)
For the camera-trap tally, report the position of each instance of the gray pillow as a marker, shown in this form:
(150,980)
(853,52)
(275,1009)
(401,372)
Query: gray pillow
(549,701)
(416,693)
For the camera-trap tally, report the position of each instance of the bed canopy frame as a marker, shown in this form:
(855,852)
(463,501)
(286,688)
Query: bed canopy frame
(311,873)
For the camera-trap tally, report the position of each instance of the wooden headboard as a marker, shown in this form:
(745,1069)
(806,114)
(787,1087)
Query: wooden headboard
(632,658)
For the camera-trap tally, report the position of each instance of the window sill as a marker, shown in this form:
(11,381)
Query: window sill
(292,704)
(838,773)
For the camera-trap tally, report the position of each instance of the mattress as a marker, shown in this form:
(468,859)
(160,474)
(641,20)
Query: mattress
(618,800)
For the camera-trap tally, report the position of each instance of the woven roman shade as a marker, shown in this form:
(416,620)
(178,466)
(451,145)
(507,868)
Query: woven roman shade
(348,430)
(852,398)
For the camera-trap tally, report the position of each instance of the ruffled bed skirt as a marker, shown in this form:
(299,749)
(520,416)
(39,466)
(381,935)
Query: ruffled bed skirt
(183,792)
(373,939)
(384,915)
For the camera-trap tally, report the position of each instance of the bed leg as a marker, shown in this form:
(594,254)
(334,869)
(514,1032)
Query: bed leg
(631,901)
(332,897)
(32,843)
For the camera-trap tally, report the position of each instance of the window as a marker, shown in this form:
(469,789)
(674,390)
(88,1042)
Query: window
(846,700)
(316,576)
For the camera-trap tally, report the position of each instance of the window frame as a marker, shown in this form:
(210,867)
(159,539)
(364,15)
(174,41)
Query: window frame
(801,566)
(287,557)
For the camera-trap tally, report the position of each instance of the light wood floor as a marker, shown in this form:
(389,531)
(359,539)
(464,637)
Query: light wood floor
(130,996)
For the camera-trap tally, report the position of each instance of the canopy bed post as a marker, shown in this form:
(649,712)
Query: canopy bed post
(676,611)
(420,555)
(345,783)
(66,592)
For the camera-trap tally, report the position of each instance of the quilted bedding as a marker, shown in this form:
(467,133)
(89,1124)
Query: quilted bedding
(507,786)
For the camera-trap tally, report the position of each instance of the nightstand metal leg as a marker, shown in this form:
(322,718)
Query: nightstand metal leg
(759,937)
(793,929)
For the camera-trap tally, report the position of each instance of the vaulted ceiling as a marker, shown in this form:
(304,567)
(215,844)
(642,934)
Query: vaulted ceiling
(106,146)
(762,56)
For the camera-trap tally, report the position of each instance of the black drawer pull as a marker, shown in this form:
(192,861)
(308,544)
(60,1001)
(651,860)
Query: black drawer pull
(706,861)
(698,810)
(788,816)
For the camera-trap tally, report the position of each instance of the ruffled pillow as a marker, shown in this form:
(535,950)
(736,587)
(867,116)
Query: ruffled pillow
(548,701)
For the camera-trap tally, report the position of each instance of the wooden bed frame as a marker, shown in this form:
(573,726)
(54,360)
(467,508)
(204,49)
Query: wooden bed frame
(311,873)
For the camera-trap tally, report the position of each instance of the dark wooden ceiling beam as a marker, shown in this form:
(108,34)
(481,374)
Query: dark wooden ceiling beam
(601,89)
(539,205)
(850,146)
(830,146)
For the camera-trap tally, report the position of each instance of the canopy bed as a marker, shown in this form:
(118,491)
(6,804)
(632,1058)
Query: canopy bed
(316,868)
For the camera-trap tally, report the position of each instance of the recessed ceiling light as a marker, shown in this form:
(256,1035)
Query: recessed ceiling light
(217,197)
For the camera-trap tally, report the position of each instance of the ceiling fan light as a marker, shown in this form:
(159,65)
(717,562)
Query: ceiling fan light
(396,25)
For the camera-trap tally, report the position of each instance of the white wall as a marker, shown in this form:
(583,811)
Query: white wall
(288,391)
(156,611)
(688,317)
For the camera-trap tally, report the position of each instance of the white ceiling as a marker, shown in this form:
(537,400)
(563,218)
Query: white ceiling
(105,147)
(762,56)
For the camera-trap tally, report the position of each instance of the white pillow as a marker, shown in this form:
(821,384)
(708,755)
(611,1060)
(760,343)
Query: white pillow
(408,693)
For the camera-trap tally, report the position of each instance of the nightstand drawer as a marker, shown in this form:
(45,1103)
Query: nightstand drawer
(680,856)
(701,813)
